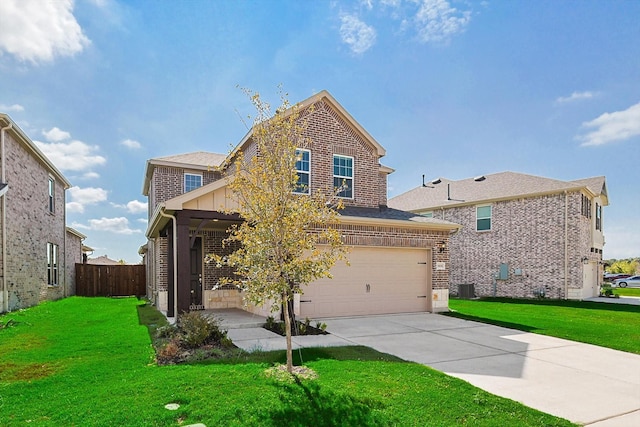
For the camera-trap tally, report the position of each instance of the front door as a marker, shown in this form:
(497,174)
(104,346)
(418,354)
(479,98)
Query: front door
(195,275)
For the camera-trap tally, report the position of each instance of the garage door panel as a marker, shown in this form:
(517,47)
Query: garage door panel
(397,279)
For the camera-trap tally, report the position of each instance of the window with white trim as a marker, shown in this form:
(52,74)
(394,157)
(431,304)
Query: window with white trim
(303,169)
(483,218)
(343,175)
(52,195)
(52,264)
(192,181)
(598,217)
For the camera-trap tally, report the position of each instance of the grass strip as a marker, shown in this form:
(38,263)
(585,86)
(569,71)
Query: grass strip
(615,326)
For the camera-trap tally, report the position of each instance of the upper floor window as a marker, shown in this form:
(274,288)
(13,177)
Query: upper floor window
(483,218)
(586,206)
(343,175)
(52,195)
(598,217)
(192,181)
(427,214)
(52,264)
(303,169)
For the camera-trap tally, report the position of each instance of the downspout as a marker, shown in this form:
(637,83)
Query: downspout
(175,261)
(566,245)
(3,179)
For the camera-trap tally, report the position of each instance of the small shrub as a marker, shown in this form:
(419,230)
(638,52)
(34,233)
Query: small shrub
(168,331)
(196,329)
(168,353)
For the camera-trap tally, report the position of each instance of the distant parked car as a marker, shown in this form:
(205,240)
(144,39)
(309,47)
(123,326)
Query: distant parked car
(610,277)
(632,281)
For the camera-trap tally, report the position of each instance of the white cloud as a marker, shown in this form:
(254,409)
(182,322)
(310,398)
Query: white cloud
(118,225)
(437,21)
(11,108)
(72,156)
(130,143)
(359,36)
(87,196)
(610,127)
(75,207)
(38,31)
(142,220)
(575,96)
(56,135)
(90,175)
(134,206)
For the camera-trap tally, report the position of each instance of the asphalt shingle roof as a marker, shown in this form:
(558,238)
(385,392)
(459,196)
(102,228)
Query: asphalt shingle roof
(390,213)
(199,158)
(500,186)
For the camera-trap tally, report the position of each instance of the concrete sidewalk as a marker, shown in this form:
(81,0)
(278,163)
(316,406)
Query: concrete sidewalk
(583,383)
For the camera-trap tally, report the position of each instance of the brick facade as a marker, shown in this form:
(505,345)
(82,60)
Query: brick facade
(329,133)
(528,235)
(30,226)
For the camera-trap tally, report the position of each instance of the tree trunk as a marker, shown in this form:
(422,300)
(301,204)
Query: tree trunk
(287,328)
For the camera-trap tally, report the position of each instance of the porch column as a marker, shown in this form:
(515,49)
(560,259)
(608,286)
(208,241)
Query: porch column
(170,294)
(184,288)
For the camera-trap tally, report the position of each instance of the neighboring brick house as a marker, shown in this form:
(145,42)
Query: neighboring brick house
(38,252)
(522,236)
(399,261)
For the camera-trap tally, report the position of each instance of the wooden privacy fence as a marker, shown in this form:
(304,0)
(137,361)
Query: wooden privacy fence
(110,280)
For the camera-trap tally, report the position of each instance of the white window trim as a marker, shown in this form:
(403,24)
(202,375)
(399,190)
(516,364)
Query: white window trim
(353,173)
(307,172)
(184,181)
(51,195)
(490,218)
(53,264)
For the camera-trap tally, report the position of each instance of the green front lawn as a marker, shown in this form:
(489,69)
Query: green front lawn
(615,326)
(82,361)
(627,292)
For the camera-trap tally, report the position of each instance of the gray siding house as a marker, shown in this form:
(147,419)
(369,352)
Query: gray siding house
(37,251)
(522,235)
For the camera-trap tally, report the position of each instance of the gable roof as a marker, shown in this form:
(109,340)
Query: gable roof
(500,186)
(30,146)
(325,96)
(199,160)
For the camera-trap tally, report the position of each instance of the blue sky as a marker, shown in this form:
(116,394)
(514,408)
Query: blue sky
(451,89)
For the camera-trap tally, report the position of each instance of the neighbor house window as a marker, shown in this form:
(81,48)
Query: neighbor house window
(343,175)
(52,195)
(303,169)
(52,264)
(483,218)
(598,217)
(586,206)
(427,214)
(192,181)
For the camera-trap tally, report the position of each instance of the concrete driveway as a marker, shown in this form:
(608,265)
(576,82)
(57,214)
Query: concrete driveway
(583,383)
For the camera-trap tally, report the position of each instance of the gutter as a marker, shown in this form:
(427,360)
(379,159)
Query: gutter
(3,206)
(175,260)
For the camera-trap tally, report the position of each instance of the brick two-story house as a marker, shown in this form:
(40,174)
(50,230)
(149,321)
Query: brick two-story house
(399,261)
(37,251)
(522,235)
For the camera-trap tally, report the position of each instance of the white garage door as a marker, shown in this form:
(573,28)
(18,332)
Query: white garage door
(378,281)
